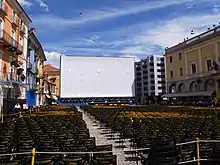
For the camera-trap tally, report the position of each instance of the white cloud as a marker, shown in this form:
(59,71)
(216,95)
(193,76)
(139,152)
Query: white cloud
(43,5)
(174,31)
(53,58)
(169,33)
(100,15)
(25,3)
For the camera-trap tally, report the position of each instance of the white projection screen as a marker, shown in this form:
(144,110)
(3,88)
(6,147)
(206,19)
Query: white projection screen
(85,76)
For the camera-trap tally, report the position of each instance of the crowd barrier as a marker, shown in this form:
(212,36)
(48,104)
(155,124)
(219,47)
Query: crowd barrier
(198,159)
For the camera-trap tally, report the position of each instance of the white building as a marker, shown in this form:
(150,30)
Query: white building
(150,78)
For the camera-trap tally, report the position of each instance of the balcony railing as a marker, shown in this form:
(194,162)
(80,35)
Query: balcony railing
(22,29)
(15,21)
(8,40)
(29,65)
(33,87)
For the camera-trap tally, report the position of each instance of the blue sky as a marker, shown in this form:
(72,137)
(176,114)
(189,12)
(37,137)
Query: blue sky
(117,27)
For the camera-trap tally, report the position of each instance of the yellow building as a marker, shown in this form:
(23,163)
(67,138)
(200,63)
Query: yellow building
(53,75)
(192,67)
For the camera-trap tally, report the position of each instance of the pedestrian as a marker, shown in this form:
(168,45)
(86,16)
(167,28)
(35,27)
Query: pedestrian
(17,110)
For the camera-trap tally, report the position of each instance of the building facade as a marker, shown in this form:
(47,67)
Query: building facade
(51,83)
(149,79)
(192,67)
(35,60)
(13,49)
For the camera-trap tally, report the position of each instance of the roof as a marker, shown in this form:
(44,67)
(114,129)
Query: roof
(212,33)
(23,10)
(50,68)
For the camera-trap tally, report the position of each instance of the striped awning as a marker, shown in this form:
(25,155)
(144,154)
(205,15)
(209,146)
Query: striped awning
(54,97)
(48,96)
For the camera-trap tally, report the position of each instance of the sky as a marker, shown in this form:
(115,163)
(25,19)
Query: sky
(136,28)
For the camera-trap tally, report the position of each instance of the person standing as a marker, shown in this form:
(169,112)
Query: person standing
(17,109)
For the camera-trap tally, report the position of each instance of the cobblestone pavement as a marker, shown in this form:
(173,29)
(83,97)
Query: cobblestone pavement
(95,131)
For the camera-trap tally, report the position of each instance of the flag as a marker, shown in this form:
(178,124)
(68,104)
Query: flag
(218,62)
(215,65)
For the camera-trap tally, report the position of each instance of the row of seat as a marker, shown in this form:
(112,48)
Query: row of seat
(55,129)
(145,124)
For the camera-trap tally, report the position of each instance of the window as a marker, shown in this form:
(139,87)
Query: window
(151,70)
(160,88)
(13,16)
(171,74)
(21,24)
(152,81)
(160,76)
(152,87)
(158,59)
(144,66)
(145,94)
(145,88)
(152,76)
(152,93)
(160,64)
(181,71)
(13,36)
(171,59)
(180,56)
(145,83)
(138,73)
(21,41)
(1,26)
(1,55)
(151,64)
(209,64)
(145,77)
(159,82)
(193,67)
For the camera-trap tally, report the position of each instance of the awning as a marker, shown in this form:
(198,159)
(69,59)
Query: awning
(54,97)
(190,94)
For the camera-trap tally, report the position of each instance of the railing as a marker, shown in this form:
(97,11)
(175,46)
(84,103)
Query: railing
(29,65)
(33,86)
(15,20)
(22,28)
(20,47)
(197,159)
(8,39)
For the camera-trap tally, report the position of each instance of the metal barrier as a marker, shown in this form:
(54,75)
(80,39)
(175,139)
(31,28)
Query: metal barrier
(14,114)
(198,159)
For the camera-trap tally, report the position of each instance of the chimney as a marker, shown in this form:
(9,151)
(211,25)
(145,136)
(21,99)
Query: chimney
(33,30)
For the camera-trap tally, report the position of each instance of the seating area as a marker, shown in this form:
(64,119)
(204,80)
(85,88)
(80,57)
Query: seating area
(52,129)
(143,125)
(59,133)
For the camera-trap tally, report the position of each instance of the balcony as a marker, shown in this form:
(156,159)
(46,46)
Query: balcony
(19,49)
(22,29)
(29,65)
(15,22)
(3,9)
(33,87)
(10,43)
